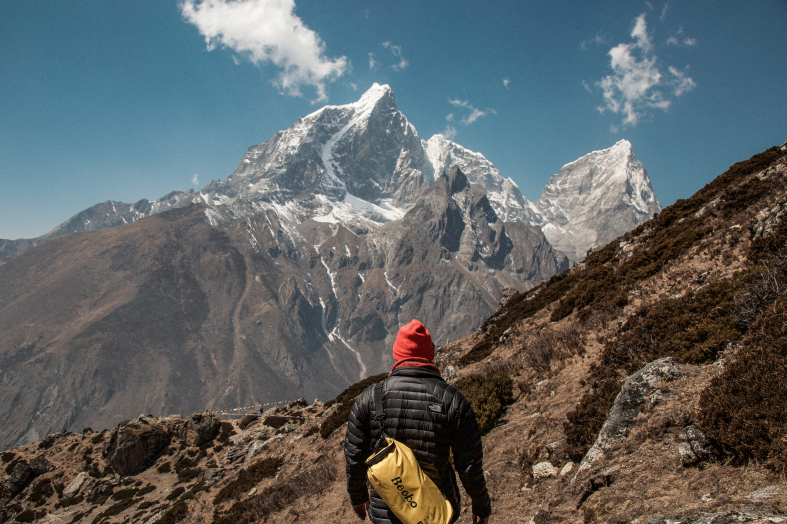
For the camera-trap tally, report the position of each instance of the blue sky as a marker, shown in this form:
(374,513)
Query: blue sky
(128,100)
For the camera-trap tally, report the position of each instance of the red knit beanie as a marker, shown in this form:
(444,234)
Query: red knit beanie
(412,341)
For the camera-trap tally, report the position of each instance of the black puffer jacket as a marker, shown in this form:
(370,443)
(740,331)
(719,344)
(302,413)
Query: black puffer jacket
(433,419)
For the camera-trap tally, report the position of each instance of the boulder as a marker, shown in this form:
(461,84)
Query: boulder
(567,469)
(19,478)
(174,425)
(275,421)
(553,448)
(450,374)
(544,470)
(41,465)
(694,447)
(246,420)
(300,403)
(135,446)
(200,429)
(272,411)
(506,295)
(74,486)
(258,446)
(628,404)
(210,475)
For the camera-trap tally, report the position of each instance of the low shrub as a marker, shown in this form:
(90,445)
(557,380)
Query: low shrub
(584,422)
(64,503)
(279,496)
(489,395)
(550,345)
(745,407)
(692,329)
(115,509)
(164,468)
(248,478)
(124,494)
(147,489)
(185,475)
(176,513)
(101,496)
(40,491)
(520,306)
(176,493)
(29,515)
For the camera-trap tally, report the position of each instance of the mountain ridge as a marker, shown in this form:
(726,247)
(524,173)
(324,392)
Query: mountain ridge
(336,158)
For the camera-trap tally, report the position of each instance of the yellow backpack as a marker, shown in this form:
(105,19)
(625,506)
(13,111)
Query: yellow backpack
(397,477)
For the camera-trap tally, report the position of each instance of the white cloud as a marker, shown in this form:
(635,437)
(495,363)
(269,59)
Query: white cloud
(640,34)
(587,87)
(449,117)
(637,84)
(681,83)
(506,81)
(372,62)
(396,51)
(195,180)
(474,114)
(664,10)
(265,31)
(449,132)
(676,41)
(599,39)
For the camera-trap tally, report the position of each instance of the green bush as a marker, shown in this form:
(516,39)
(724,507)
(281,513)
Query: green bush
(745,407)
(489,395)
(584,422)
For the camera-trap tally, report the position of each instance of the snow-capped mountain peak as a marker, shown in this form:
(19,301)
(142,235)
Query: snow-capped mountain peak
(364,164)
(594,199)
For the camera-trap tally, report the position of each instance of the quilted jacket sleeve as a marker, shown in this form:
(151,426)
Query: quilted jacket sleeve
(357,448)
(469,456)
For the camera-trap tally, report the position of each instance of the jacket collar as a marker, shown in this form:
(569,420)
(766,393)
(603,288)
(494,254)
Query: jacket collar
(414,372)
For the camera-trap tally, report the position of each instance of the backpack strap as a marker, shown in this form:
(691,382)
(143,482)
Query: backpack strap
(379,413)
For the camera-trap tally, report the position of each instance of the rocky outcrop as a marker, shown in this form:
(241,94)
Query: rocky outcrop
(200,429)
(628,405)
(18,479)
(695,447)
(135,445)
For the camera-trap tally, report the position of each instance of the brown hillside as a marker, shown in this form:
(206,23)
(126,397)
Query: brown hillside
(681,321)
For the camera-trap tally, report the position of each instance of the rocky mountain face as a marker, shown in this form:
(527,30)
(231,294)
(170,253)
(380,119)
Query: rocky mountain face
(595,199)
(289,278)
(643,385)
(171,314)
